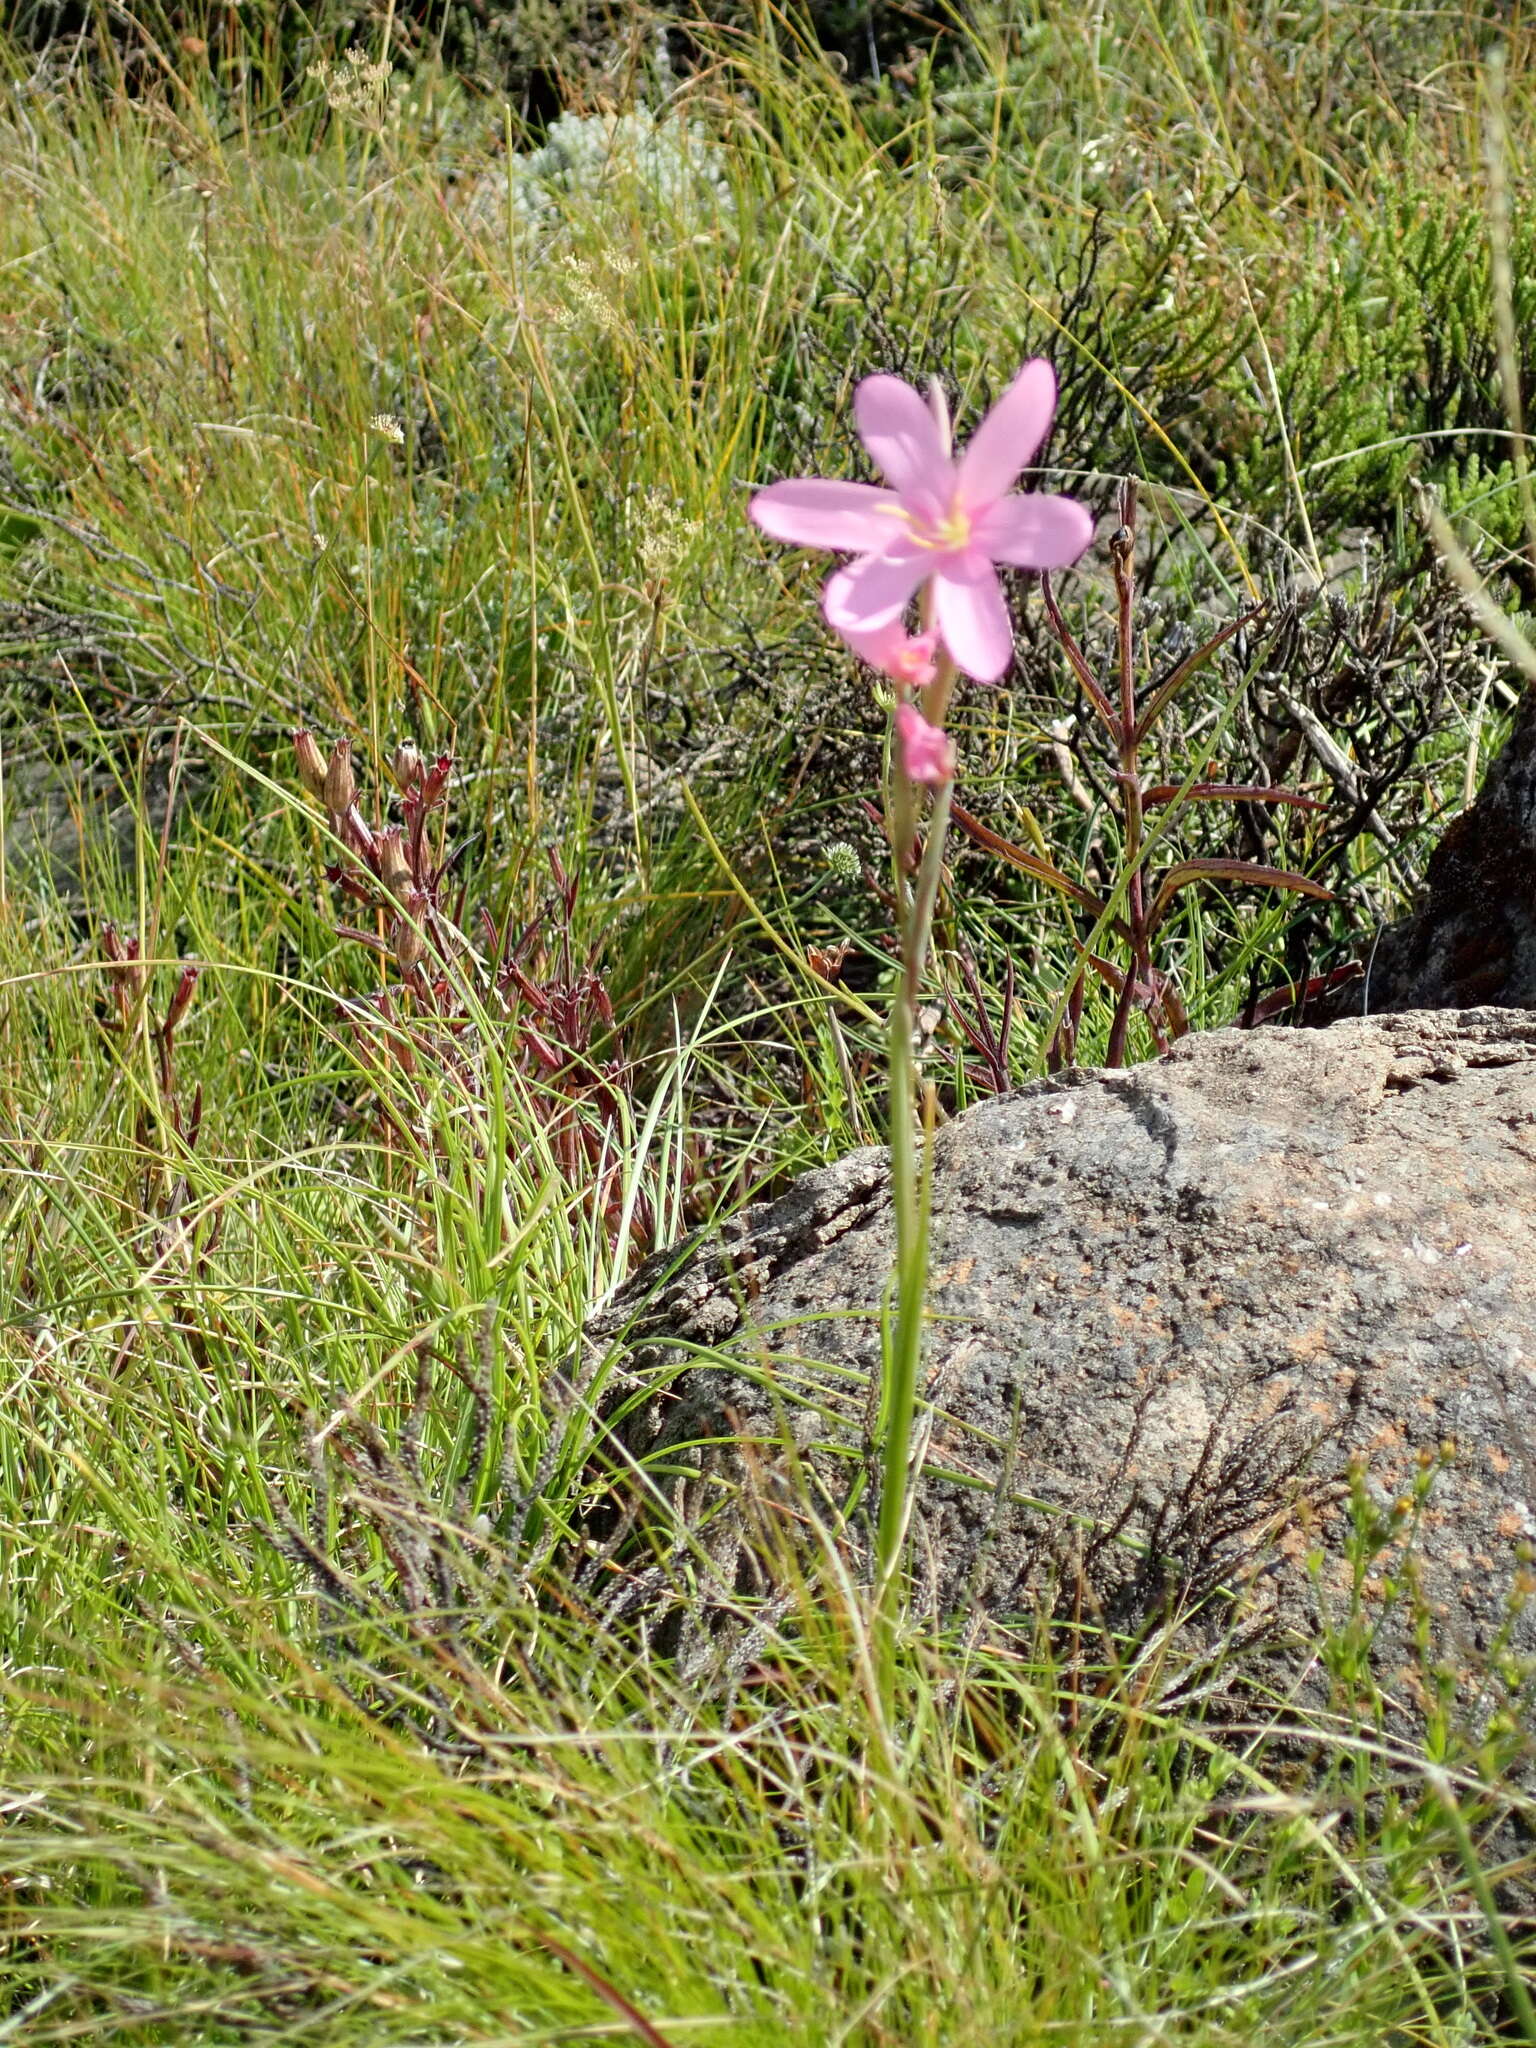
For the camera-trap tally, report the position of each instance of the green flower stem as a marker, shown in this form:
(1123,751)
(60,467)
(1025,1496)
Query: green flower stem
(904,1337)
(909,1176)
(1139,967)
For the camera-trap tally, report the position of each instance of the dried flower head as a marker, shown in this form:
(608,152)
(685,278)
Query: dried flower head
(827,961)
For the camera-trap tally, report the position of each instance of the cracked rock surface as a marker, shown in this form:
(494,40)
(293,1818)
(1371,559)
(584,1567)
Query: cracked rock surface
(1172,1307)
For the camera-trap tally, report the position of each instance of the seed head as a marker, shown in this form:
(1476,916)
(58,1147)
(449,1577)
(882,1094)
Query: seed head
(407,764)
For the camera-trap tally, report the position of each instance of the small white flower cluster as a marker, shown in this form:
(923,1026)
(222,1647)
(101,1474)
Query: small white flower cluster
(356,86)
(386,425)
(592,294)
(674,163)
(666,534)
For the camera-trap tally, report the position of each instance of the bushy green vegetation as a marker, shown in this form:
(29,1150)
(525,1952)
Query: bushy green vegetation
(401,418)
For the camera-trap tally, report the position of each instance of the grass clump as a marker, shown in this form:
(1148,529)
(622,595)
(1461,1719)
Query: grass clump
(426,424)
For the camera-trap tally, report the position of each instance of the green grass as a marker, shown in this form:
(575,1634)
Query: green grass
(234,1807)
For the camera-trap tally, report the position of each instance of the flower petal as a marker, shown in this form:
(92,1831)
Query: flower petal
(889,649)
(1009,436)
(903,439)
(1037,531)
(818,512)
(873,591)
(973,616)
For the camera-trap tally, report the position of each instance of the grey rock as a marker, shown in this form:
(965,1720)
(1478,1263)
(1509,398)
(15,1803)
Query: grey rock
(1188,1323)
(1471,936)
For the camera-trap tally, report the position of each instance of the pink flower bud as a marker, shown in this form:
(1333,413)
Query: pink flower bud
(926,752)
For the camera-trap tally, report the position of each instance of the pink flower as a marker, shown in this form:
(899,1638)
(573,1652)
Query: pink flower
(890,650)
(926,753)
(945,521)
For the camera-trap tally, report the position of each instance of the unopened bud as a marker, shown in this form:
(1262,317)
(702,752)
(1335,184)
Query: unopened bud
(182,997)
(312,763)
(394,866)
(124,966)
(405,933)
(340,786)
(407,765)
